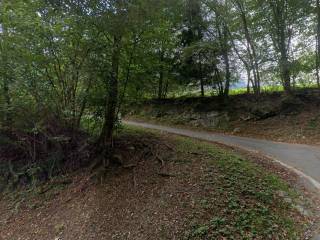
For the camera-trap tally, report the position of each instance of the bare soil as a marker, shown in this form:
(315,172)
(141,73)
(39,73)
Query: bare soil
(160,191)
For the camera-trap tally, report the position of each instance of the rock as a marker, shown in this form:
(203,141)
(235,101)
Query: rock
(213,114)
(195,123)
(59,227)
(264,113)
(302,210)
(194,116)
(282,194)
(236,130)
(288,200)
(198,123)
(215,119)
(247,117)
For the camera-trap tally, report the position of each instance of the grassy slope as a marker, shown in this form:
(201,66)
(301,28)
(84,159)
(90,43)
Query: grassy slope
(241,199)
(211,194)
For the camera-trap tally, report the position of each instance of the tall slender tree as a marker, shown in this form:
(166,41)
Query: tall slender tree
(250,44)
(318,42)
(193,33)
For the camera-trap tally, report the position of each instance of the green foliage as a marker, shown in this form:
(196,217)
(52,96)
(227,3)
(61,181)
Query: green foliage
(73,65)
(57,60)
(242,200)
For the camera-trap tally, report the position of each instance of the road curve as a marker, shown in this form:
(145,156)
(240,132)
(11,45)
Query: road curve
(303,159)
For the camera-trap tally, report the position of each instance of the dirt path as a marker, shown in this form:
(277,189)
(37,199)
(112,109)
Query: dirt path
(303,159)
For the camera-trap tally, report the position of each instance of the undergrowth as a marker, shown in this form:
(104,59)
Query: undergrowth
(243,199)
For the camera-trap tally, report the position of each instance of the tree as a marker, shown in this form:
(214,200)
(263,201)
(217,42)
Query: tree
(5,67)
(221,34)
(284,21)
(252,64)
(63,60)
(318,42)
(193,33)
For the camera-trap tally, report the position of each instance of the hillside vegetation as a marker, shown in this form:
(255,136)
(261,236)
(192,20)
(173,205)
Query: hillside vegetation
(166,188)
(273,116)
(71,69)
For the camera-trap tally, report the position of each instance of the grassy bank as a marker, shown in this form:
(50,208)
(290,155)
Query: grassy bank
(273,116)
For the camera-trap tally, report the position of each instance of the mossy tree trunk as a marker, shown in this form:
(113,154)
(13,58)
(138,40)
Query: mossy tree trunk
(112,97)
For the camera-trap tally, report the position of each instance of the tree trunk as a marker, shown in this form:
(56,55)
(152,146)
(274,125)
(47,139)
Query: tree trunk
(202,87)
(6,93)
(318,44)
(160,94)
(249,79)
(285,71)
(201,77)
(165,91)
(160,87)
(226,60)
(282,42)
(112,97)
(286,79)
(228,75)
(251,49)
(284,60)
(6,86)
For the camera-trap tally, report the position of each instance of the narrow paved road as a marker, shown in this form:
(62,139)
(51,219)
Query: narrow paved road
(303,159)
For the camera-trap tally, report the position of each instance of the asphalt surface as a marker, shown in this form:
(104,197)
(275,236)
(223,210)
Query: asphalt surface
(303,159)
